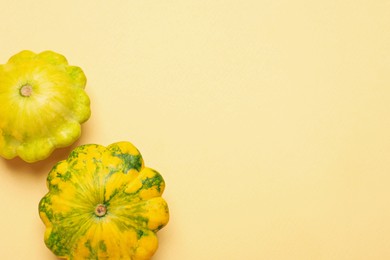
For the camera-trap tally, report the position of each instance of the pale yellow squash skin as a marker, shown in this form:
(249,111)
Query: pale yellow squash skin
(43,103)
(115,180)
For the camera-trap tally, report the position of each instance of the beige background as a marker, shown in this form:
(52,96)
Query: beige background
(269,120)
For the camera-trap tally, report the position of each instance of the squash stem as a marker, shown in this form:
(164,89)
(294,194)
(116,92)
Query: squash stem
(100,210)
(26,90)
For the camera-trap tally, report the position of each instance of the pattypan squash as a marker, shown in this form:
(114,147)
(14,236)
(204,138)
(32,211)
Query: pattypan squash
(103,203)
(42,104)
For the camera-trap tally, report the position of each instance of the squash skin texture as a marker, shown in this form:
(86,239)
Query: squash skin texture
(115,177)
(43,103)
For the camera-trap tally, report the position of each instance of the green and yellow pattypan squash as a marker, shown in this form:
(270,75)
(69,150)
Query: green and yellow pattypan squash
(42,104)
(103,203)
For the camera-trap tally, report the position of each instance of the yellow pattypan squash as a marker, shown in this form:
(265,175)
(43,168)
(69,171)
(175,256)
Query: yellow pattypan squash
(42,104)
(103,203)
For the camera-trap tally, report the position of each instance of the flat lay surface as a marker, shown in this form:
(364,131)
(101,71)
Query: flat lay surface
(268,120)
